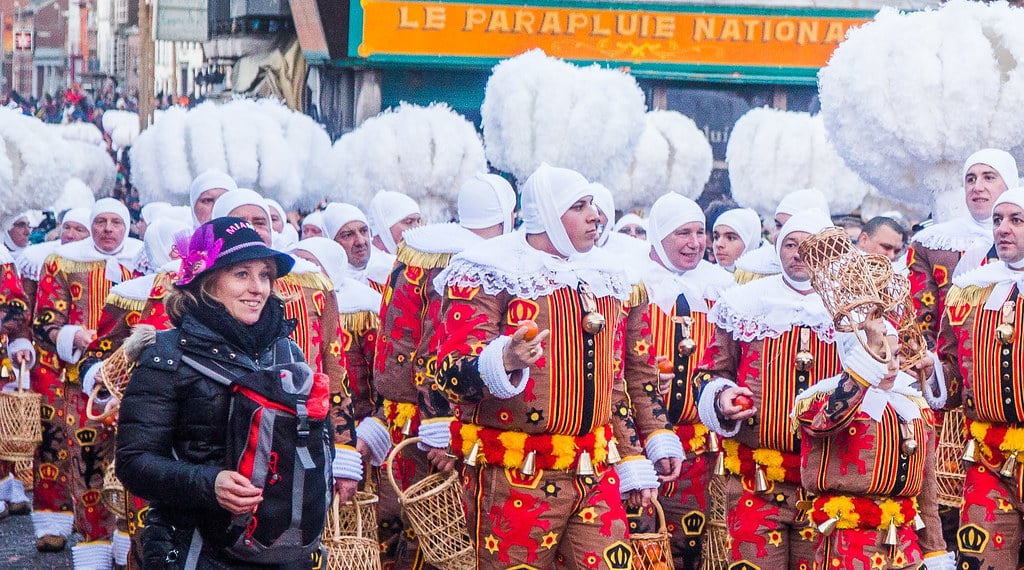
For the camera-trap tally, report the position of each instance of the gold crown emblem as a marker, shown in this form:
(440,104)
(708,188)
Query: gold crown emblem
(92,497)
(49,471)
(85,436)
(744,565)
(972,538)
(317,559)
(618,556)
(523,567)
(47,412)
(693,523)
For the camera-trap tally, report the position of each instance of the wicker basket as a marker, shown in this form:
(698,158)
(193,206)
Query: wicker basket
(21,423)
(653,550)
(433,507)
(716,534)
(350,535)
(949,472)
(113,494)
(842,277)
(113,375)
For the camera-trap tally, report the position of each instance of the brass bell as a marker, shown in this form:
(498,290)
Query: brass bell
(474,452)
(908,445)
(613,452)
(407,427)
(970,452)
(1004,333)
(719,464)
(828,526)
(686,346)
(585,466)
(529,467)
(918,522)
(804,361)
(1009,467)
(891,536)
(760,481)
(713,442)
(593,323)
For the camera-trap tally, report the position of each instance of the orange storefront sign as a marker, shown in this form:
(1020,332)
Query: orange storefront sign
(628,34)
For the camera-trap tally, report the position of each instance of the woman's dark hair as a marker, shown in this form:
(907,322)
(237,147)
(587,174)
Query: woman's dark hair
(180,301)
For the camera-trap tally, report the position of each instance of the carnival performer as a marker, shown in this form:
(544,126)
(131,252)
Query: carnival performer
(773,338)
(734,233)
(681,287)
(541,422)
(347,225)
(17,229)
(69,467)
(935,251)
(978,344)
(74,226)
(313,225)
(390,214)
(764,261)
(204,191)
(407,351)
(633,226)
(285,235)
(868,457)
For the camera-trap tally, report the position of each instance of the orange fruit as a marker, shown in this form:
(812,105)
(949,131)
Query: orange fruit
(531,328)
(666,366)
(743,402)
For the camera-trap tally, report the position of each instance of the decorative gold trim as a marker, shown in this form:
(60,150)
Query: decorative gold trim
(311,280)
(742,276)
(71,266)
(126,303)
(971,295)
(637,295)
(426,261)
(359,322)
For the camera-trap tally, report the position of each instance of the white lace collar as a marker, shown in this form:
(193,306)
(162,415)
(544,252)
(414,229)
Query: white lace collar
(377,270)
(354,296)
(699,285)
(440,238)
(761,261)
(85,251)
(954,235)
(768,308)
(508,263)
(30,264)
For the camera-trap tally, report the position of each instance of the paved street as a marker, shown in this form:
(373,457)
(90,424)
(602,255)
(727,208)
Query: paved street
(18,551)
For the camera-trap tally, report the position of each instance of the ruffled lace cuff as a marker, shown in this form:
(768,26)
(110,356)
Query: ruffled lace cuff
(708,411)
(636,473)
(348,464)
(435,433)
(663,444)
(492,371)
(377,439)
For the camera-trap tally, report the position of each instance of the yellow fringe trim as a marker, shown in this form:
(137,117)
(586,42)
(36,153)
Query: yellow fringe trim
(741,276)
(971,295)
(415,258)
(637,295)
(70,266)
(126,303)
(311,281)
(360,322)
(800,408)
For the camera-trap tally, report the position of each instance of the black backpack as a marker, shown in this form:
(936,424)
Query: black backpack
(279,437)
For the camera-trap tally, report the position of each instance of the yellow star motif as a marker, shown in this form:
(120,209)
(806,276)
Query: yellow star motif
(928,298)
(641,347)
(878,561)
(899,559)
(549,540)
(775,538)
(807,534)
(1004,506)
(491,543)
(588,514)
(335,348)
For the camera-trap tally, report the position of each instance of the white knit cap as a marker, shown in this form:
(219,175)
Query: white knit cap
(208,181)
(485,200)
(277,206)
(159,238)
(116,207)
(387,209)
(547,194)
(800,200)
(811,221)
(668,213)
(628,219)
(338,214)
(236,198)
(605,202)
(998,159)
(316,219)
(330,254)
(745,222)
(151,210)
(80,215)
(1012,196)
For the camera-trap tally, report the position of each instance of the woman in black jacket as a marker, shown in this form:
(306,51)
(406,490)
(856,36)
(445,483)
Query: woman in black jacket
(174,431)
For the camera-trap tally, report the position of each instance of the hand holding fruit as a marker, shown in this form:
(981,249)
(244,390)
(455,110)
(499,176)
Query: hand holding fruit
(666,373)
(736,403)
(526,346)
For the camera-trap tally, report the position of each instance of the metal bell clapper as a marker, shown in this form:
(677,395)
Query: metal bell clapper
(918,522)
(1009,467)
(613,452)
(804,361)
(760,481)
(891,536)
(687,345)
(970,452)
(828,526)
(593,323)
(407,427)
(529,467)
(474,452)
(585,466)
